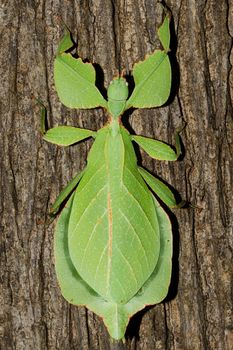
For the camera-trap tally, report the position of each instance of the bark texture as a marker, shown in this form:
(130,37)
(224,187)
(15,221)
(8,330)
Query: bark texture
(197,312)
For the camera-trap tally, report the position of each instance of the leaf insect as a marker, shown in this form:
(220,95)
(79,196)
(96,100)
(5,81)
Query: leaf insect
(113,240)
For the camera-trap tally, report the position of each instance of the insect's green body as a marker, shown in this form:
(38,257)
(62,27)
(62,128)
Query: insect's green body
(113,241)
(114,186)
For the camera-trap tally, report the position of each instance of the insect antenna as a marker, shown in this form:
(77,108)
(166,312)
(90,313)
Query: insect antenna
(119,58)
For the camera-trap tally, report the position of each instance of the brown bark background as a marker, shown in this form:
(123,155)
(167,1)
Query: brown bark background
(198,312)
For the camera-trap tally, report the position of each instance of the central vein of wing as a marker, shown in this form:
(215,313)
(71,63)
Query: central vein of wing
(113,231)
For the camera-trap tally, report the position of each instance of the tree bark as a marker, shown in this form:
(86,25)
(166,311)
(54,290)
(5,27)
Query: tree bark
(115,34)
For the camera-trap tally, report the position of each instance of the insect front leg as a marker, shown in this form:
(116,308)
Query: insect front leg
(63,136)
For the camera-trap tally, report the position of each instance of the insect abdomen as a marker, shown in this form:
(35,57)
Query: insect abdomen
(113,230)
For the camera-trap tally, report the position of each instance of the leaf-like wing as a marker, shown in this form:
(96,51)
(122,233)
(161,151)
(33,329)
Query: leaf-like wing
(152,76)
(113,229)
(78,292)
(72,287)
(67,135)
(75,83)
(156,287)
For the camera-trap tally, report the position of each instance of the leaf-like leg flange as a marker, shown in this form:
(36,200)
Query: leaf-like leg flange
(67,135)
(66,42)
(152,76)
(164,33)
(158,149)
(75,83)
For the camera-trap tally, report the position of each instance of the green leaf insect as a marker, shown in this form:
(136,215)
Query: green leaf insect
(113,240)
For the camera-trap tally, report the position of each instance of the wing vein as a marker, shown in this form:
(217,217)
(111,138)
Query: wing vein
(97,267)
(136,235)
(90,203)
(144,189)
(94,174)
(139,205)
(90,238)
(130,267)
